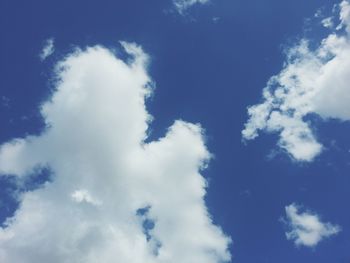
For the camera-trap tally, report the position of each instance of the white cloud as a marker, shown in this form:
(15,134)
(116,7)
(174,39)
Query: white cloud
(82,195)
(306,229)
(328,22)
(182,5)
(104,173)
(47,50)
(313,81)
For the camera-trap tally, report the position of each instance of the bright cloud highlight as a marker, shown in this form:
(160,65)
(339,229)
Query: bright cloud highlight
(313,81)
(104,175)
(306,228)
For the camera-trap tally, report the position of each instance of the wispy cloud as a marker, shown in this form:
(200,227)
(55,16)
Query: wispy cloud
(182,5)
(105,174)
(306,228)
(313,81)
(4,101)
(48,49)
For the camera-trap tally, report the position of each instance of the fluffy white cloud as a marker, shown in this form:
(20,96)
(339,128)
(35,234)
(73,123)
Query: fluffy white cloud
(313,81)
(183,5)
(306,229)
(47,50)
(104,174)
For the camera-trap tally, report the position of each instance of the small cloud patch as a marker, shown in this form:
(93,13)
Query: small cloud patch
(47,50)
(306,228)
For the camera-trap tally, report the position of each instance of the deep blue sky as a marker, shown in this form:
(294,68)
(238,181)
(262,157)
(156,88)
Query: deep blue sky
(206,72)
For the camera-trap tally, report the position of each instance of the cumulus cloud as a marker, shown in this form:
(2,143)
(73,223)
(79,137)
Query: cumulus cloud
(306,228)
(112,196)
(313,81)
(182,5)
(47,50)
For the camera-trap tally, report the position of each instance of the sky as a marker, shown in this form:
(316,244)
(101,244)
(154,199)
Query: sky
(168,131)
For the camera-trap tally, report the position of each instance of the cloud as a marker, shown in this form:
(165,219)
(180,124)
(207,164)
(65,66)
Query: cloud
(104,174)
(312,81)
(4,102)
(328,22)
(306,229)
(182,5)
(47,50)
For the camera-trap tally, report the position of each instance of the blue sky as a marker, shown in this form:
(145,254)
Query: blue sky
(207,64)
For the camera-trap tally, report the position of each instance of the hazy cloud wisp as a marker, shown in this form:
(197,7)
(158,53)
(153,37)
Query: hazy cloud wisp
(182,5)
(47,50)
